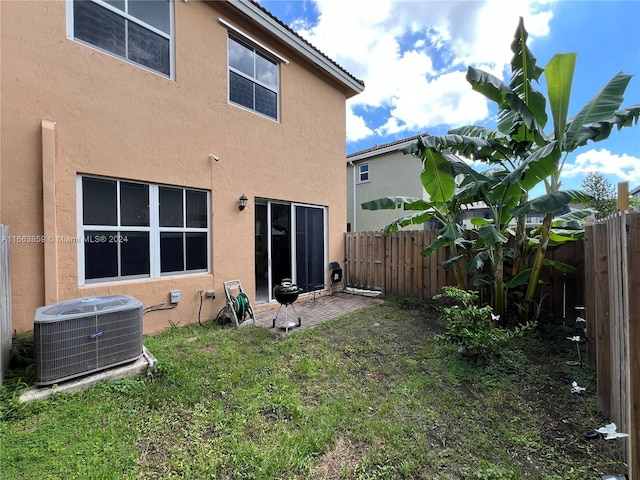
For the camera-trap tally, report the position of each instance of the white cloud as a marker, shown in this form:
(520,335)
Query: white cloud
(618,167)
(446,99)
(413,55)
(356,127)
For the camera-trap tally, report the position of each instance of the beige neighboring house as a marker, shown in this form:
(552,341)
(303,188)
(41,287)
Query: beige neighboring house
(377,172)
(130,130)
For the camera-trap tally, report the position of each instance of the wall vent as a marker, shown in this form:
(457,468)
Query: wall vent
(85,335)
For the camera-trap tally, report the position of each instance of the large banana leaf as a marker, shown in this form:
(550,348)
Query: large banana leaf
(437,176)
(479,131)
(439,243)
(471,147)
(424,211)
(573,217)
(447,264)
(478,261)
(530,172)
(563,267)
(521,278)
(550,203)
(560,236)
(451,231)
(508,101)
(599,109)
(601,130)
(397,202)
(559,76)
(524,72)
(490,235)
(480,221)
(411,219)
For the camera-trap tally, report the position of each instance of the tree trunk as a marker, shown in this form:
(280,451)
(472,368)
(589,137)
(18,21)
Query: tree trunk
(499,306)
(536,269)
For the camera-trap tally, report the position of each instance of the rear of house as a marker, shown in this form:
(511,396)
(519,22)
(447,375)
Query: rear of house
(131,129)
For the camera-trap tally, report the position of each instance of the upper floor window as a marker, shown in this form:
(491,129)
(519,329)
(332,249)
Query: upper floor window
(139,230)
(363,173)
(254,80)
(139,31)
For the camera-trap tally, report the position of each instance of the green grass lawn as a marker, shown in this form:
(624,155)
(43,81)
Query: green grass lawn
(369,395)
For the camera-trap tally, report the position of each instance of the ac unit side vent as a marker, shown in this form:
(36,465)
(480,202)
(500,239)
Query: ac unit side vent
(71,342)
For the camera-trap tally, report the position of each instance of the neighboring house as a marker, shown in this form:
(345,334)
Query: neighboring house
(131,129)
(377,172)
(635,192)
(384,171)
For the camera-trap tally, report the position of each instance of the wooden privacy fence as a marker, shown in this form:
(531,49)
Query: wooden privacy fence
(5,301)
(394,264)
(612,293)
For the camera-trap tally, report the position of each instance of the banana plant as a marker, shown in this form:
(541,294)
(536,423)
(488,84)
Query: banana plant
(520,155)
(533,155)
(594,122)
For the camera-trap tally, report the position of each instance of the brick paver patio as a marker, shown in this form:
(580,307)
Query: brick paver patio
(313,313)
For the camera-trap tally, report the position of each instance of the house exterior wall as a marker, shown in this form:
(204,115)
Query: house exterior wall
(390,174)
(68,109)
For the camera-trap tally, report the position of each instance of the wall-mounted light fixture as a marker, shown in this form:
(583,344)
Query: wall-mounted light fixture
(243,202)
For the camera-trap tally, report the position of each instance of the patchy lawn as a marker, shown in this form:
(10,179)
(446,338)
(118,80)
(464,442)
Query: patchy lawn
(369,395)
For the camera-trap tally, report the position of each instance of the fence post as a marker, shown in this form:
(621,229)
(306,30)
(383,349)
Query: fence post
(633,255)
(623,196)
(601,317)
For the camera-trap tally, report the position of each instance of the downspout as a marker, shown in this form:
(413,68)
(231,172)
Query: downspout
(354,226)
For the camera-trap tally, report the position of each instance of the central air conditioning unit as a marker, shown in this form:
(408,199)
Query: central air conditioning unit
(85,335)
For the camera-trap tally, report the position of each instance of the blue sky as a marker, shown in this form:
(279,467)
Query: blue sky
(413,56)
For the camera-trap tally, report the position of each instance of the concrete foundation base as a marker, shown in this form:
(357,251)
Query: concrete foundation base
(131,370)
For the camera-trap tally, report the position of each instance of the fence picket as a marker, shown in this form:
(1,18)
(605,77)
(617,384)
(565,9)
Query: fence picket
(633,343)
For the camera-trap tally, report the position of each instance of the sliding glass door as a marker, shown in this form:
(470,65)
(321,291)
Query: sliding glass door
(290,242)
(310,258)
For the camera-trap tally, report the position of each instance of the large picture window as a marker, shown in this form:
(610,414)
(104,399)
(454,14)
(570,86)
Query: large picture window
(139,31)
(253,79)
(137,230)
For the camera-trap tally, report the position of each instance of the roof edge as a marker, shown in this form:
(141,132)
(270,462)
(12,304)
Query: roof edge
(382,149)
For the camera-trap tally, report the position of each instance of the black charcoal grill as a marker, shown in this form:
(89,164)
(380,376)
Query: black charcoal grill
(286,294)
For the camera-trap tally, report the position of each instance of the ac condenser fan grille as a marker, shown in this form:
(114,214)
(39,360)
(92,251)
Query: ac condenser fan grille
(72,345)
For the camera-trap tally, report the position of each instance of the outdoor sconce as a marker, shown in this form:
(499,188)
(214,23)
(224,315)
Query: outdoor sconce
(243,202)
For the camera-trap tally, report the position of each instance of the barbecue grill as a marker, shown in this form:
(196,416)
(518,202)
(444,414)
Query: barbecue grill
(286,294)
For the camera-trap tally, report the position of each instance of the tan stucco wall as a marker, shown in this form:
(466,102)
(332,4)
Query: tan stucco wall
(390,174)
(115,119)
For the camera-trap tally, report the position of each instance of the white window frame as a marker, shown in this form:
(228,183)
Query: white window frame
(256,47)
(153,229)
(361,173)
(170,36)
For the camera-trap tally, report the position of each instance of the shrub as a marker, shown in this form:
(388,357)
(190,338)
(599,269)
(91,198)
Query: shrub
(473,328)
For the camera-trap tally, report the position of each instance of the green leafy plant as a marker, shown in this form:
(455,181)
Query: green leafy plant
(472,328)
(519,155)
